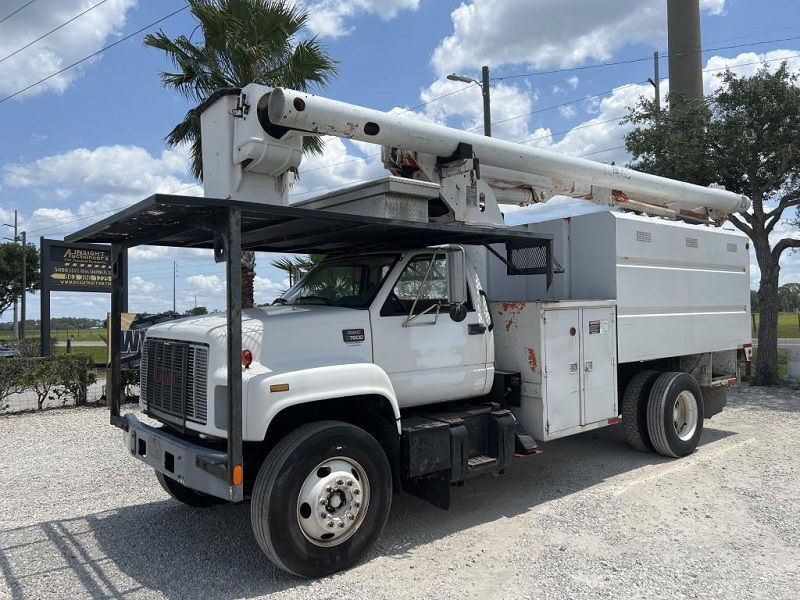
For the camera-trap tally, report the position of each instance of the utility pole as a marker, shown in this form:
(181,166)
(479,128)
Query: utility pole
(15,239)
(656,81)
(174,272)
(685,52)
(487,111)
(485,92)
(24,284)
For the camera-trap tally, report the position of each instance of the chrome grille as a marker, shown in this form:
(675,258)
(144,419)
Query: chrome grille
(173,380)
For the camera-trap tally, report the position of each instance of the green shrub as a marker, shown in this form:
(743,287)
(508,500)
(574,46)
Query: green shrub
(75,374)
(60,378)
(11,378)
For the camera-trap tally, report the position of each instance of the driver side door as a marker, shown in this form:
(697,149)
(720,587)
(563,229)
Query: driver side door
(428,356)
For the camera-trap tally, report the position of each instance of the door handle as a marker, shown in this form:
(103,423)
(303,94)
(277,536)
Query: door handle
(476,328)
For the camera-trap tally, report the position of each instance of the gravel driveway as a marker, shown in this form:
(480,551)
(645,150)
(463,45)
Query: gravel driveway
(589,518)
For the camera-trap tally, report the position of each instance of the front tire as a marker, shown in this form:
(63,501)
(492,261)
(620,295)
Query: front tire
(321,498)
(188,496)
(675,414)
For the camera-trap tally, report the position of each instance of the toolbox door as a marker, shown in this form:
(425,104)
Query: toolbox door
(562,363)
(598,372)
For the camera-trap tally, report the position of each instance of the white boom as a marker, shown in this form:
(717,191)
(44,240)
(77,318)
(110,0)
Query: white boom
(318,115)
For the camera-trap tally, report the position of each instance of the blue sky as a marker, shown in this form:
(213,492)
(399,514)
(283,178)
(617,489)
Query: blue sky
(90,140)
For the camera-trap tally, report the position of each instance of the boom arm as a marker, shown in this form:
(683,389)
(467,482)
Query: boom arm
(252,139)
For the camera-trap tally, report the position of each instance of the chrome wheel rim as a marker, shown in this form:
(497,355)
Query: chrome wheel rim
(333,501)
(685,415)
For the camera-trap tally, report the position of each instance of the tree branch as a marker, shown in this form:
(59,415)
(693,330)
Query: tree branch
(785,244)
(789,200)
(739,224)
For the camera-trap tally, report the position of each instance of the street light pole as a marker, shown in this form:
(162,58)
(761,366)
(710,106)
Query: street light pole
(485,92)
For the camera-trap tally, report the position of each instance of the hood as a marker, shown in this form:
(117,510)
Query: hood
(281,335)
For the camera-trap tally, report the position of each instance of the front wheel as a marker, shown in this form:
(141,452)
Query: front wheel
(675,414)
(321,498)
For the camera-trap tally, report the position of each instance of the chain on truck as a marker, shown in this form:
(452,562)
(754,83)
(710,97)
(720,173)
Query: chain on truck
(434,343)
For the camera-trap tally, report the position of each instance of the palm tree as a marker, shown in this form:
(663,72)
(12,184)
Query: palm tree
(296,267)
(244,41)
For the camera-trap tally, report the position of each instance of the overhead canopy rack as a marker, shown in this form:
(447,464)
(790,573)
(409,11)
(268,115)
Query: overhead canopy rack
(230,226)
(191,222)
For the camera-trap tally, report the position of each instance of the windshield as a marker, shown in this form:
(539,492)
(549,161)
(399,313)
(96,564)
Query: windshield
(350,282)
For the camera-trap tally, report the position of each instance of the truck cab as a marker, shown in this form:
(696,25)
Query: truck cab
(384,318)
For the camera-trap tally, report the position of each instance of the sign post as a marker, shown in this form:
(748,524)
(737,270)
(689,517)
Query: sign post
(70,267)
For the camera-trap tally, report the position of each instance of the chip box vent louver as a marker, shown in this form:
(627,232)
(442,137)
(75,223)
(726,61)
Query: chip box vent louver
(644,236)
(733,247)
(692,242)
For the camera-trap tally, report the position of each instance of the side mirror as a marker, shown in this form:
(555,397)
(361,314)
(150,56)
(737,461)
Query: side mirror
(457,284)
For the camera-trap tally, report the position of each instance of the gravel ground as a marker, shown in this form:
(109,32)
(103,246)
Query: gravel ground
(589,518)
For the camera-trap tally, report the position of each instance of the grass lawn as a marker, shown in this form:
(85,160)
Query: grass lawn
(788,325)
(783,368)
(81,335)
(99,354)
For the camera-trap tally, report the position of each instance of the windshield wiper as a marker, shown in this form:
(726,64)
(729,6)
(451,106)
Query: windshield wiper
(280,301)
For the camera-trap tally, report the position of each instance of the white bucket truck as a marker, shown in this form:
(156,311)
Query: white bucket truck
(414,368)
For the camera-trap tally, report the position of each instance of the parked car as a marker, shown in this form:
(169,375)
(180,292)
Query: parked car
(7,351)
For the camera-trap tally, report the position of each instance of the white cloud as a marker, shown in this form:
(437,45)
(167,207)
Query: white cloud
(140,285)
(212,283)
(106,178)
(52,214)
(746,65)
(567,111)
(328,17)
(546,33)
(82,37)
(266,290)
(713,7)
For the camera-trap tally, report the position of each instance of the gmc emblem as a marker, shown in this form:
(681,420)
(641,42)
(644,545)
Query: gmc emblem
(167,377)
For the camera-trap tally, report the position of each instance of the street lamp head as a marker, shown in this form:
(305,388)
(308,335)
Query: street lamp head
(454,77)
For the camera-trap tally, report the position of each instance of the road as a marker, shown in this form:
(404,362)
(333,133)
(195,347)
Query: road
(589,518)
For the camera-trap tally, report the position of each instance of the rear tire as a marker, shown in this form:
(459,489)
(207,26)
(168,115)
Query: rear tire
(186,495)
(675,414)
(321,498)
(634,410)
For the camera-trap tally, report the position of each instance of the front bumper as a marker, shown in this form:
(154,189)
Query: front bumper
(199,468)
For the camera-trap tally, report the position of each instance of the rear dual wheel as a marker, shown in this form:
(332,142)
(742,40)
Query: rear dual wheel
(675,414)
(663,412)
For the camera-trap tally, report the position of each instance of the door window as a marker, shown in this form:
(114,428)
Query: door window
(421,286)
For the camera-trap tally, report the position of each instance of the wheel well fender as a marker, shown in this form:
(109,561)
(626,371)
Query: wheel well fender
(373,413)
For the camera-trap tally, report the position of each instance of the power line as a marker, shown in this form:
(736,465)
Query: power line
(636,60)
(8,16)
(93,54)
(103,212)
(41,37)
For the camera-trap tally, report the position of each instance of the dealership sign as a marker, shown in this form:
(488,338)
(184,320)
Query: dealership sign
(76,267)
